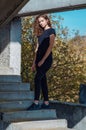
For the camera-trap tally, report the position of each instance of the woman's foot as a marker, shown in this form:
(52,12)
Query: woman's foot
(34,106)
(45,106)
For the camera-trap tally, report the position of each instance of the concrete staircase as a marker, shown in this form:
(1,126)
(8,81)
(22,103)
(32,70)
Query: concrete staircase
(15,98)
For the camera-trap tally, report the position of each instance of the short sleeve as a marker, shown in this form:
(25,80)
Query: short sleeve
(52,31)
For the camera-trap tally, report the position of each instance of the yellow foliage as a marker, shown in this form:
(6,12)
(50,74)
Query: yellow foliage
(68,69)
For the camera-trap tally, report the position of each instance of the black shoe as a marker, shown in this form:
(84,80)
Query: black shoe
(45,106)
(34,107)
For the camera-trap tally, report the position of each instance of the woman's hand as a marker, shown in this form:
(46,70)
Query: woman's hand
(40,63)
(33,67)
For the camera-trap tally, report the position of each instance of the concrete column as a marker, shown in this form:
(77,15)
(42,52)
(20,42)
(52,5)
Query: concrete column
(10,48)
(15,46)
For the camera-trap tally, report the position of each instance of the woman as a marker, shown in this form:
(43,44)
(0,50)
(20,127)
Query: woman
(43,59)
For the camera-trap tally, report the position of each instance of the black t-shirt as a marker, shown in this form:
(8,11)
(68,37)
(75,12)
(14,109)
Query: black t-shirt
(44,41)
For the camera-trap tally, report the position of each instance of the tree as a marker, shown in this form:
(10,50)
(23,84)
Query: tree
(69,63)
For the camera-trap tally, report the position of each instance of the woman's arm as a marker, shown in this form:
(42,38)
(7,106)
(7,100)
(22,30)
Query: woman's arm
(35,53)
(33,65)
(52,39)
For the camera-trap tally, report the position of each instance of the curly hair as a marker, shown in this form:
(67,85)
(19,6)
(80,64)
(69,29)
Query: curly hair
(37,29)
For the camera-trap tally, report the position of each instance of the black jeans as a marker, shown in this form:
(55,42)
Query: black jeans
(41,80)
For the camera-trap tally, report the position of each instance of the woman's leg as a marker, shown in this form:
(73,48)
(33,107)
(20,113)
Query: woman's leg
(37,80)
(44,88)
(41,83)
(44,85)
(38,77)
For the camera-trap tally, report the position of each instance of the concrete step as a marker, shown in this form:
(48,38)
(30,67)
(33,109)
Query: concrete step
(14,105)
(13,96)
(40,125)
(10,79)
(29,115)
(4,87)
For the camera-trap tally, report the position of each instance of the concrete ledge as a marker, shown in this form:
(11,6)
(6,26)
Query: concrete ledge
(74,113)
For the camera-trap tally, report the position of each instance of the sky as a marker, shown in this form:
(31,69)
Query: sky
(75,19)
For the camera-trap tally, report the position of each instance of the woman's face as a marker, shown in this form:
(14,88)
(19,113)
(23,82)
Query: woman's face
(42,22)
